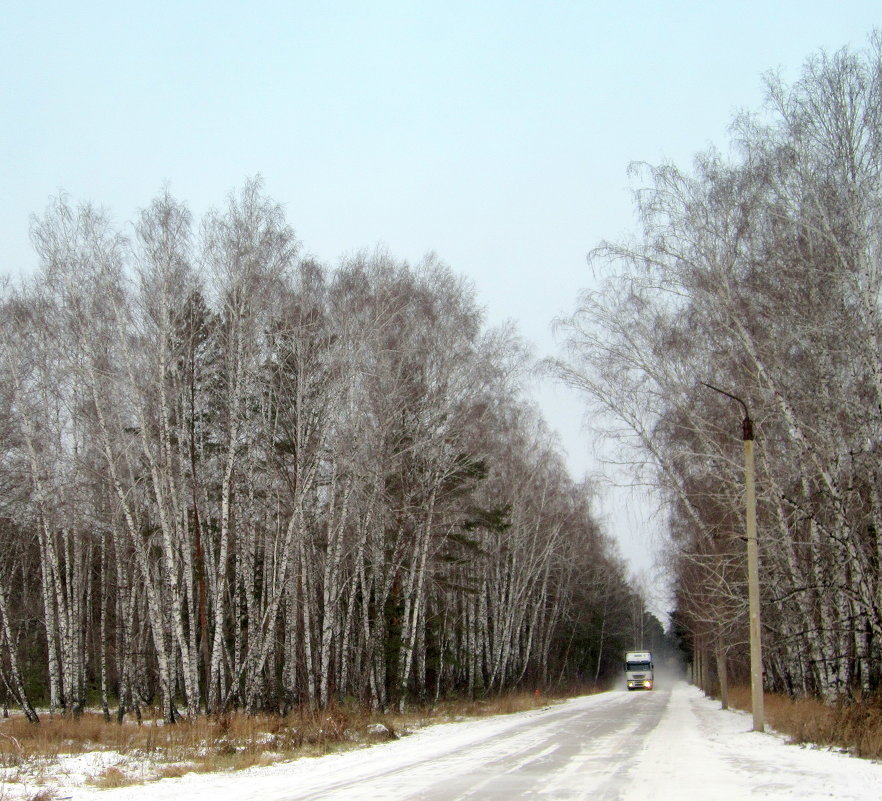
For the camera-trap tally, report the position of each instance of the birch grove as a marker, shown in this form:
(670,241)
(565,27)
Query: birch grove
(234,478)
(760,273)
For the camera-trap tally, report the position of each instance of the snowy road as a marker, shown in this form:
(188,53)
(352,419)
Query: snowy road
(668,744)
(572,751)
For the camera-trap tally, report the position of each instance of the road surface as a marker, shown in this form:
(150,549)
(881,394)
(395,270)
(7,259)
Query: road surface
(578,750)
(672,743)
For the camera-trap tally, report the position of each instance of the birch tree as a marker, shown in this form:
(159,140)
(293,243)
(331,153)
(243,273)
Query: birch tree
(757,273)
(246,480)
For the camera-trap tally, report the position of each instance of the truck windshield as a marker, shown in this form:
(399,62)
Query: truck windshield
(637,666)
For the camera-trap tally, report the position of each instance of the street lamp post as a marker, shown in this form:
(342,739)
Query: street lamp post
(756,655)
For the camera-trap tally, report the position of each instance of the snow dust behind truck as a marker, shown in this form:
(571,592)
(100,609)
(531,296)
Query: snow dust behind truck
(638,670)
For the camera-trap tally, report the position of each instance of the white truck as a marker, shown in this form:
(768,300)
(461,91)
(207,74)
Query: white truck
(639,670)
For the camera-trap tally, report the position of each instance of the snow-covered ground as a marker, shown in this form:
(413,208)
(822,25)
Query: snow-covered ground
(699,751)
(668,744)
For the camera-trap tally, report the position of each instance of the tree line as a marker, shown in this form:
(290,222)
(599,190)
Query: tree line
(232,477)
(759,272)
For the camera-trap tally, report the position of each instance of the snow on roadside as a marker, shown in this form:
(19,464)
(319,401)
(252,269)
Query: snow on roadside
(696,751)
(699,751)
(58,775)
(275,781)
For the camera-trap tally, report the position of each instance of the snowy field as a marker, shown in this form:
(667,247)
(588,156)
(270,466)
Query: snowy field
(668,744)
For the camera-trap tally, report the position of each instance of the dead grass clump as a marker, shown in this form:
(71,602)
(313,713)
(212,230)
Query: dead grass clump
(504,704)
(41,795)
(62,735)
(860,725)
(335,724)
(510,703)
(112,777)
(226,761)
(174,771)
(853,725)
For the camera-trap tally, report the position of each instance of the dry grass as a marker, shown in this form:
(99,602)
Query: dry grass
(505,704)
(232,741)
(174,771)
(42,795)
(854,726)
(112,777)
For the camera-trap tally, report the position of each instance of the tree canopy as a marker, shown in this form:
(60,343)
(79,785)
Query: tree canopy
(760,273)
(234,477)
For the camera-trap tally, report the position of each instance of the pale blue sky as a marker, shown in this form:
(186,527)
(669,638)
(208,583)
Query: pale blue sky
(496,134)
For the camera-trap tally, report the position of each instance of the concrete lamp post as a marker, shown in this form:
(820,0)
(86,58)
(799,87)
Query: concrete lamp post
(756,653)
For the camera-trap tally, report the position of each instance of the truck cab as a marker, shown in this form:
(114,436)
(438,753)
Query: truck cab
(639,670)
